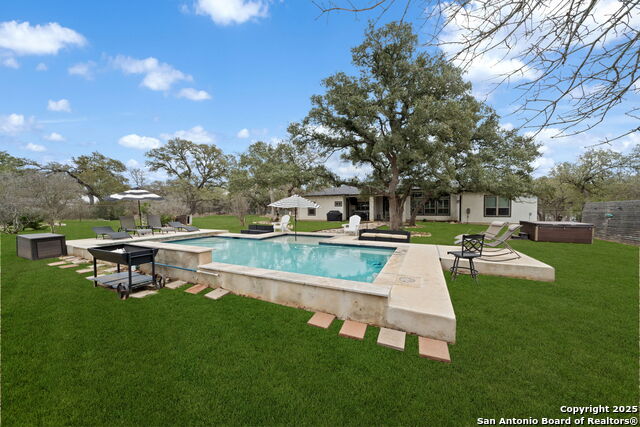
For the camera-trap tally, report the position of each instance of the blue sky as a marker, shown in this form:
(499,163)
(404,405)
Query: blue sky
(120,77)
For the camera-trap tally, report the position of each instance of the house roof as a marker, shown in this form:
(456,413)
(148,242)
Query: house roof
(343,190)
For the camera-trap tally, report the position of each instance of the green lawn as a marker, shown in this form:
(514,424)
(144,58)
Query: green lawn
(75,355)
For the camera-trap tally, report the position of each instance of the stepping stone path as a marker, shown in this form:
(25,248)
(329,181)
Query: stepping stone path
(143,294)
(352,329)
(110,270)
(321,320)
(68,266)
(433,349)
(196,288)
(53,264)
(85,270)
(391,338)
(216,293)
(175,284)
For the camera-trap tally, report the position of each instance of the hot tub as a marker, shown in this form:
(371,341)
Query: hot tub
(558,231)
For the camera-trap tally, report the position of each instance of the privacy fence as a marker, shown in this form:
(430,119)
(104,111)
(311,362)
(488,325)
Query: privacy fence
(616,221)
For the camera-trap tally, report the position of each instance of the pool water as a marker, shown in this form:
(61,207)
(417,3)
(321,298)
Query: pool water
(303,255)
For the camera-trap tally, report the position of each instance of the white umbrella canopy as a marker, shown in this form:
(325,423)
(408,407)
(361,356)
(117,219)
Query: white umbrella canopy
(135,194)
(294,202)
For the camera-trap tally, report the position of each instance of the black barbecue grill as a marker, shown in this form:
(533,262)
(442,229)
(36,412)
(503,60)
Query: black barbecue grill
(130,256)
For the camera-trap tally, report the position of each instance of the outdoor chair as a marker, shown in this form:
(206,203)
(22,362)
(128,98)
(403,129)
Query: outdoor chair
(501,244)
(490,233)
(353,226)
(128,223)
(154,222)
(471,248)
(108,231)
(283,225)
(180,226)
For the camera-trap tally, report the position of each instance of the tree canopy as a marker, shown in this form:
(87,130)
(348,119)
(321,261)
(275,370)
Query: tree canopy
(411,118)
(196,169)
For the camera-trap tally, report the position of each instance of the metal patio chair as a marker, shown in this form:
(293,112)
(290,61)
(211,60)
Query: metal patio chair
(471,248)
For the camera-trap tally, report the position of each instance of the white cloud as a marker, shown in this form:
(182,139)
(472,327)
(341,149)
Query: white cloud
(54,136)
(61,105)
(10,62)
(227,12)
(15,123)
(132,163)
(346,169)
(41,67)
(48,39)
(35,147)
(140,142)
(196,134)
(243,133)
(193,94)
(157,75)
(82,69)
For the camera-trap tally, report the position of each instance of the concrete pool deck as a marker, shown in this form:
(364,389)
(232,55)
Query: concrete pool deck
(409,294)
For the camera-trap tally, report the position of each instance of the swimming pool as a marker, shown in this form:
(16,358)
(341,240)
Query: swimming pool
(305,255)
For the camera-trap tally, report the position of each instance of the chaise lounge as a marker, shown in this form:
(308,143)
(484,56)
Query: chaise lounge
(108,231)
(181,226)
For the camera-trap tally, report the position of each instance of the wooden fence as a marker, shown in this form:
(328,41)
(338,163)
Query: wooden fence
(615,221)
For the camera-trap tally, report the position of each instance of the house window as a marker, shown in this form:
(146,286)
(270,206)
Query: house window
(337,204)
(311,211)
(497,206)
(430,207)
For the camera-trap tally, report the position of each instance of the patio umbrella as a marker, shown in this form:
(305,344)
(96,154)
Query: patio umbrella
(135,194)
(294,202)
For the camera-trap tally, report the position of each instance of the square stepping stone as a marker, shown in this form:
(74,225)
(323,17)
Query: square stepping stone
(216,293)
(321,320)
(391,338)
(53,264)
(175,284)
(353,329)
(196,288)
(65,258)
(142,294)
(68,266)
(110,270)
(433,349)
(85,270)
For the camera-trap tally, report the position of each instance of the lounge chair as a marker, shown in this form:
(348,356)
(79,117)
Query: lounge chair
(353,226)
(283,225)
(490,233)
(154,223)
(502,244)
(108,231)
(181,226)
(128,223)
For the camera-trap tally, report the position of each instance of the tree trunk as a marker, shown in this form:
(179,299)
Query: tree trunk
(414,211)
(396,208)
(273,215)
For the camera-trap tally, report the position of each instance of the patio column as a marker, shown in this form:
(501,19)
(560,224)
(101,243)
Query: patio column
(372,208)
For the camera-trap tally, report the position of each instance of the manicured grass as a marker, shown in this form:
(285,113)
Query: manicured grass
(75,355)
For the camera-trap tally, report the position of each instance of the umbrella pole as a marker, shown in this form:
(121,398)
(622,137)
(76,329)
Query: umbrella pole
(295,225)
(140,213)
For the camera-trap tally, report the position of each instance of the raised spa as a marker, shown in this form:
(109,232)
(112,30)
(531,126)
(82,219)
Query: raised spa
(304,254)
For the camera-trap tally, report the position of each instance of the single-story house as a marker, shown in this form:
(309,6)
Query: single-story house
(466,207)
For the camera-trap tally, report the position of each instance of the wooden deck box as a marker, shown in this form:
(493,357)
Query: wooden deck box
(41,245)
(558,231)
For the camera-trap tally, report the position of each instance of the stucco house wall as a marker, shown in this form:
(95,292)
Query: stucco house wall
(327,203)
(522,209)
